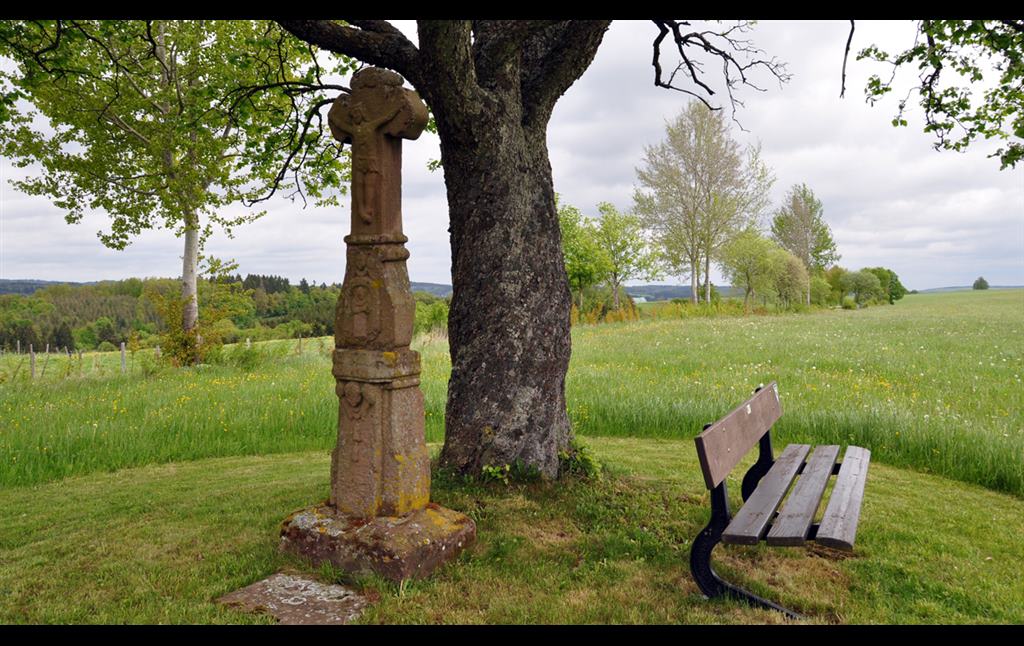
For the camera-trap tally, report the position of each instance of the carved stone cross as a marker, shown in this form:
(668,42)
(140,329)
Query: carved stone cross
(379,517)
(374,119)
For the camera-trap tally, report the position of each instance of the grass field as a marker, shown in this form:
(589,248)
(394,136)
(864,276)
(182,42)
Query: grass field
(158,544)
(141,498)
(933,383)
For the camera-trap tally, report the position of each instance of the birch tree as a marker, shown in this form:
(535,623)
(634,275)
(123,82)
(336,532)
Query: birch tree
(143,123)
(626,254)
(698,189)
(799,226)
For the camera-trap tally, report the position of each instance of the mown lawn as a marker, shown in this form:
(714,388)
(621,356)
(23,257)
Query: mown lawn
(935,383)
(159,543)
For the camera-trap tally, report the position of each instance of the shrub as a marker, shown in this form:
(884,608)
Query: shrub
(849,303)
(821,291)
(579,461)
(431,316)
(106,346)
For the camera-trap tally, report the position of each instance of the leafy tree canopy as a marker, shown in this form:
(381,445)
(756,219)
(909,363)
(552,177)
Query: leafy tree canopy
(142,123)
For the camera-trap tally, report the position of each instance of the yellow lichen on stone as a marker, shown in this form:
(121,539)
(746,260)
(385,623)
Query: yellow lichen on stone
(390,357)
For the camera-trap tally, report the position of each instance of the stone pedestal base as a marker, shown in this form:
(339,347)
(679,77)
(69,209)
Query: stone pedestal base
(397,548)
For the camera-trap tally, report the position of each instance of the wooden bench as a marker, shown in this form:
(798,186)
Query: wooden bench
(723,444)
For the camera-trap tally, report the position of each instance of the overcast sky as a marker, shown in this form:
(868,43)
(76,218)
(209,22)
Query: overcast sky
(936,218)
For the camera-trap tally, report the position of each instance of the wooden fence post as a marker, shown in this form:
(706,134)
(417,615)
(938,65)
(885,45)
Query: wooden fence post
(32,360)
(124,365)
(248,343)
(19,345)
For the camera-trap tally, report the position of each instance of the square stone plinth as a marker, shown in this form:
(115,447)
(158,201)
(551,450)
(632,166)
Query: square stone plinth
(397,548)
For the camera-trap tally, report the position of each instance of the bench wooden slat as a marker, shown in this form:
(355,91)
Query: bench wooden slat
(749,523)
(793,523)
(725,442)
(839,525)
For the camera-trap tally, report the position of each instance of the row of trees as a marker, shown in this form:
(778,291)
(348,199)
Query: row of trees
(701,200)
(609,250)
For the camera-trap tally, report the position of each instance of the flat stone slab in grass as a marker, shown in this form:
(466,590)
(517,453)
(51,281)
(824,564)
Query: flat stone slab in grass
(299,600)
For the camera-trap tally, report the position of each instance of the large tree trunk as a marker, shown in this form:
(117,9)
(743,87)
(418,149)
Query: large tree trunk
(509,320)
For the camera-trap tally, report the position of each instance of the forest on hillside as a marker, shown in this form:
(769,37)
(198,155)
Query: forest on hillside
(99,316)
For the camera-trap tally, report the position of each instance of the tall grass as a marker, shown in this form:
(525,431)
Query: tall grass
(934,382)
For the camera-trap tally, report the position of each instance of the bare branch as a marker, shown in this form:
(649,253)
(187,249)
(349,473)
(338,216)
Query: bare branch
(846,54)
(739,57)
(297,144)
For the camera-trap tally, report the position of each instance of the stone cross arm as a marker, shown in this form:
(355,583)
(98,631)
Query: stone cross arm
(377,103)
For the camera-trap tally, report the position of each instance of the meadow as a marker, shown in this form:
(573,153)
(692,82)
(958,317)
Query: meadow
(933,383)
(141,498)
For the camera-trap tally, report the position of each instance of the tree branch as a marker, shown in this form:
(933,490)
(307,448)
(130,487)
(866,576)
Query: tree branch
(846,54)
(553,58)
(496,41)
(379,45)
(297,144)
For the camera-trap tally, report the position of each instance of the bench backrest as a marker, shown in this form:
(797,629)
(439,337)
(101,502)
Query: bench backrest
(723,444)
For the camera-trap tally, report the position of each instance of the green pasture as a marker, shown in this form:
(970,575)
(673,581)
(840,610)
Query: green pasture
(933,383)
(141,498)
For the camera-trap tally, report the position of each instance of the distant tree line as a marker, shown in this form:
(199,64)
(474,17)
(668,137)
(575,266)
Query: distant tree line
(99,316)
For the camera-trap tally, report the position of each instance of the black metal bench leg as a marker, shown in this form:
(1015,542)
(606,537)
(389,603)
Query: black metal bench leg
(707,579)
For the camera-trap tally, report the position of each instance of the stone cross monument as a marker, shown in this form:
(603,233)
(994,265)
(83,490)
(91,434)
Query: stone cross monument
(379,516)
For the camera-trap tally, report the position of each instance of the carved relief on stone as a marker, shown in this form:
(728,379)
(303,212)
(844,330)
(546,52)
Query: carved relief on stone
(355,487)
(355,403)
(357,320)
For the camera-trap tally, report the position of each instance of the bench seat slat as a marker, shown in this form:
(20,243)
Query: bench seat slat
(748,525)
(793,523)
(839,525)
